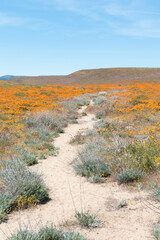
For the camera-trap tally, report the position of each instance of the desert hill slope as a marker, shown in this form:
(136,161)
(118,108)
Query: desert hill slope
(96,76)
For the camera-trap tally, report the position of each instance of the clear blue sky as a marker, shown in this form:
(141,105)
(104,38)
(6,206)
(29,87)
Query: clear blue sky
(54,37)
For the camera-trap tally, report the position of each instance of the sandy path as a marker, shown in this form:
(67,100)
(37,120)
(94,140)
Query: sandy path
(67,189)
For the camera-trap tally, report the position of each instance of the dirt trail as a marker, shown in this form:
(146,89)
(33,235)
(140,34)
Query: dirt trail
(66,189)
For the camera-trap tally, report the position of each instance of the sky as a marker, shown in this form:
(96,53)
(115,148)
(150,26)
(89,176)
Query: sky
(58,37)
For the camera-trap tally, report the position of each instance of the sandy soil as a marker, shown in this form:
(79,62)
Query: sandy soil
(69,191)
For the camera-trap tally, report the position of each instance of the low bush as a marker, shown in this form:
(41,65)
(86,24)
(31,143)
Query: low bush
(100,115)
(84,114)
(122,204)
(82,101)
(27,156)
(87,220)
(46,233)
(96,179)
(155,191)
(138,156)
(129,175)
(17,182)
(100,124)
(42,155)
(90,161)
(5,139)
(98,101)
(45,119)
(145,154)
(156,233)
(74,121)
(78,139)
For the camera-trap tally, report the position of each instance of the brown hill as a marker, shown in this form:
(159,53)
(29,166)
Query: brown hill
(97,76)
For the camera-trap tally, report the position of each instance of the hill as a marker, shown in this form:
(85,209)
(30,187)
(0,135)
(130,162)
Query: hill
(8,77)
(97,76)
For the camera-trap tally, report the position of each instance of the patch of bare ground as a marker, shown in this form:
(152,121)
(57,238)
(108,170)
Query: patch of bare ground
(69,191)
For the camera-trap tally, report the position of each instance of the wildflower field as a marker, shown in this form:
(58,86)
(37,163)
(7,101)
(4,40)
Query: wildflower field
(17,101)
(124,144)
(129,122)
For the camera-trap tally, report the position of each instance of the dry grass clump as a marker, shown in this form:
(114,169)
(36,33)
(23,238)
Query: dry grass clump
(72,105)
(5,139)
(46,119)
(78,139)
(19,187)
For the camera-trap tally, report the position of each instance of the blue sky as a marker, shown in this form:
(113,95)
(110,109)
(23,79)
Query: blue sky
(54,37)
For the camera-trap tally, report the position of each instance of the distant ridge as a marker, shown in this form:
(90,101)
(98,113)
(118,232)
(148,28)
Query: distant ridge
(97,76)
(8,77)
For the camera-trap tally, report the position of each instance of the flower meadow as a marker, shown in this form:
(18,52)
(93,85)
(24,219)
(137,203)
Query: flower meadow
(124,143)
(30,118)
(18,101)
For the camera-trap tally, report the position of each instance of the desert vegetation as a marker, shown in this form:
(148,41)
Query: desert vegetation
(48,233)
(123,146)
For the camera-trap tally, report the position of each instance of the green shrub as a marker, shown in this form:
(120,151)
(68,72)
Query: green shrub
(155,191)
(100,124)
(46,233)
(16,180)
(91,133)
(73,236)
(122,204)
(49,146)
(144,154)
(27,156)
(138,100)
(90,161)
(84,114)
(74,121)
(96,179)
(87,220)
(42,156)
(44,134)
(100,115)
(23,235)
(138,155)
(98,101)
(5,202)
(129,175)
(156,233)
